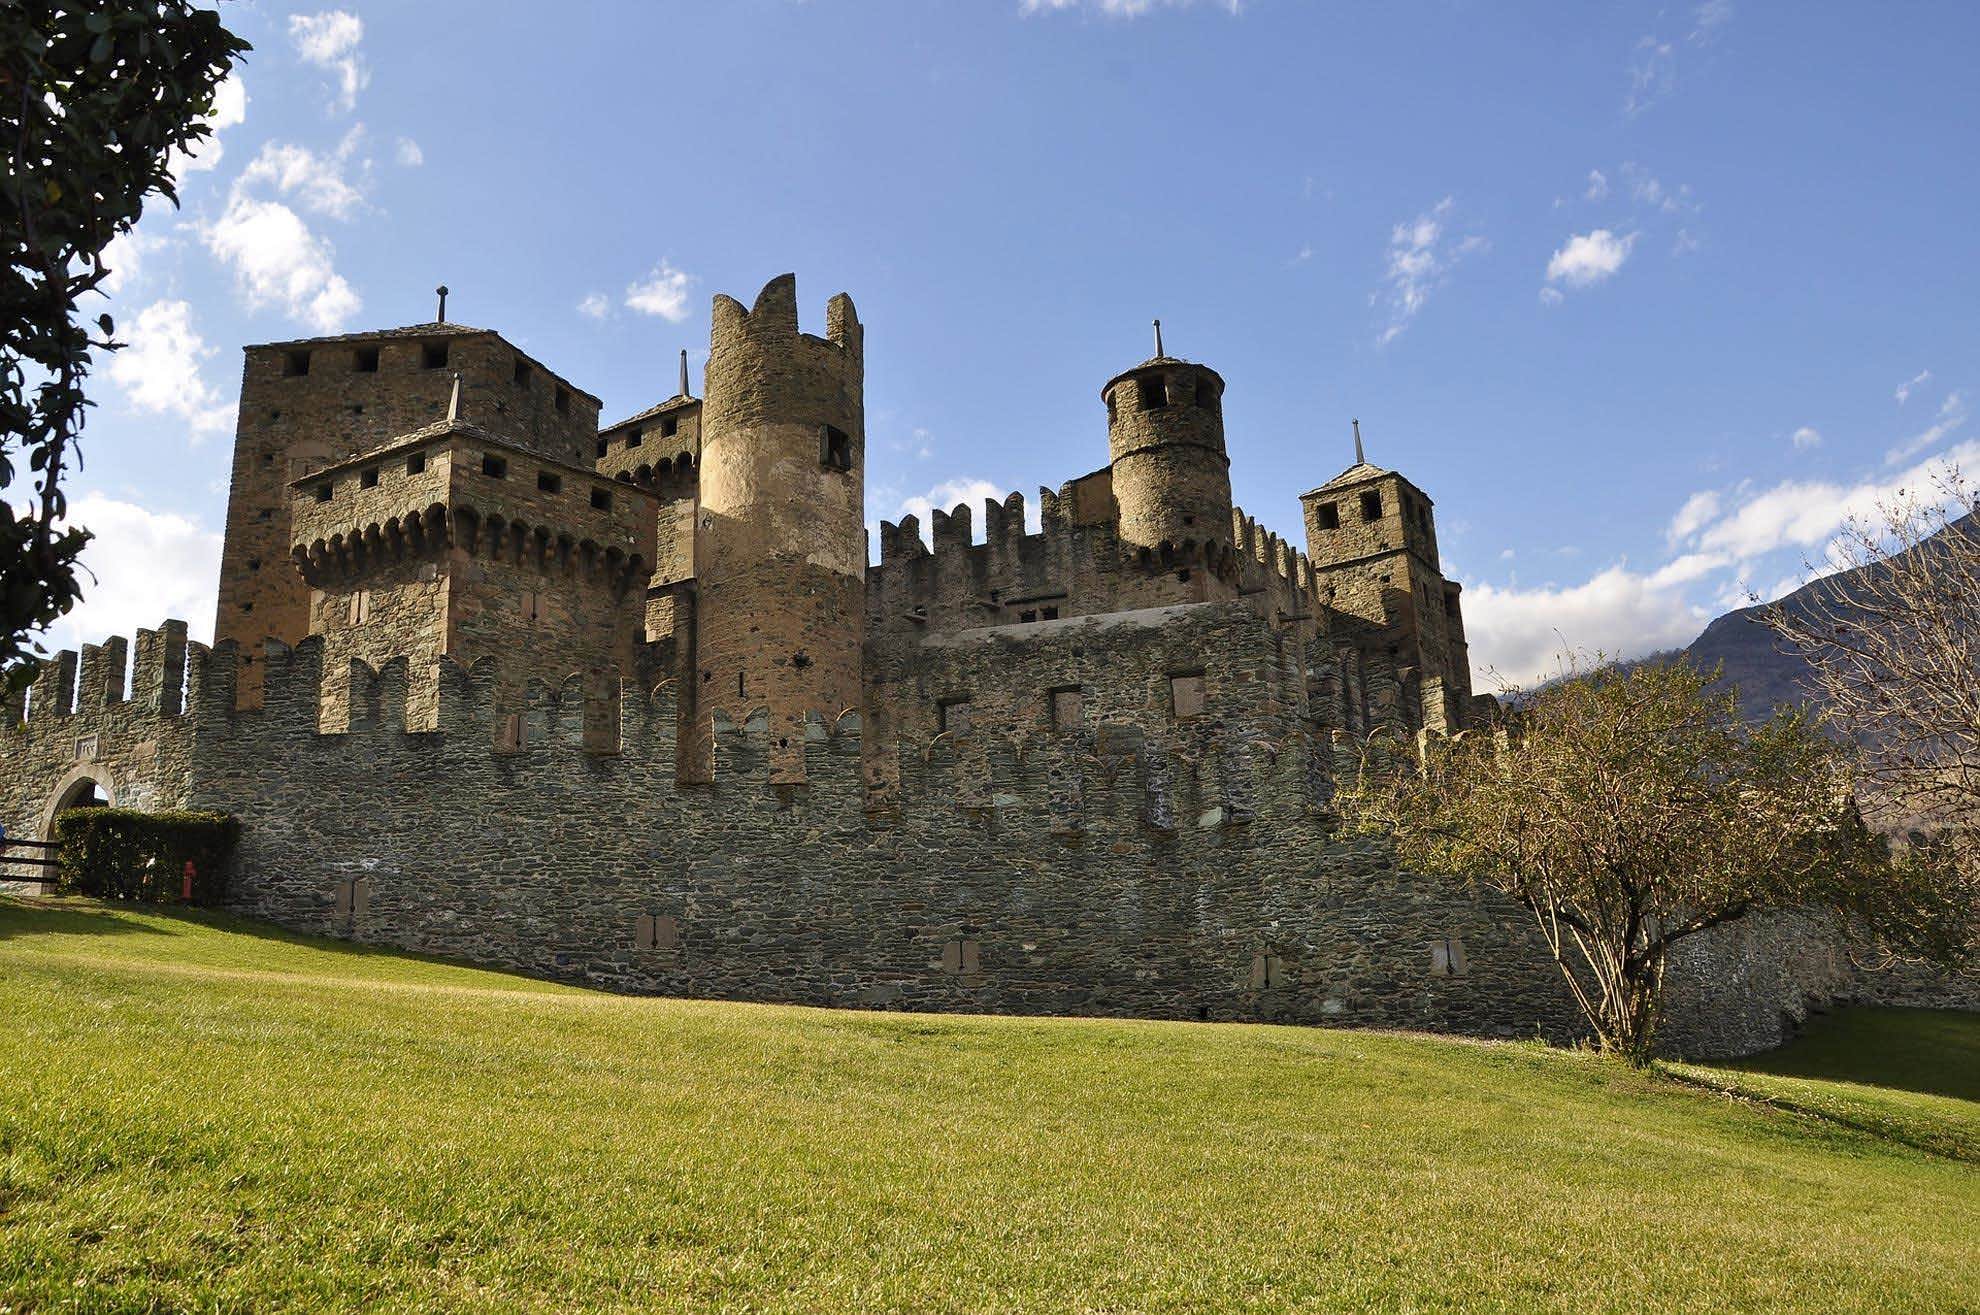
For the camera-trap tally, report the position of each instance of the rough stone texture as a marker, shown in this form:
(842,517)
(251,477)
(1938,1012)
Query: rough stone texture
(640,714)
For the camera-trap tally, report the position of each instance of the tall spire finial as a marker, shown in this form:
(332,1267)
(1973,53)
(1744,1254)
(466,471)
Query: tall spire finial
(454,402)
(1158,337)
(441,318)
(1360,457)
(684,381)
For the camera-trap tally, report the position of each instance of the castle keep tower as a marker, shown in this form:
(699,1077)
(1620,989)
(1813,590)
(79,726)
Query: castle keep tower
(780,538)
(1170,475)
(1372,537)
(309,404)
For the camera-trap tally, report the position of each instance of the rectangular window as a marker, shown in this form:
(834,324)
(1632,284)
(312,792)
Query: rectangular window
(962,956)
(493,466)
(416,464)
(1068,708)
(366,360)
(1051,614)
(1149,394)
(360,607)
(509,733)
(601,499)
(368,477)
(1447,958)
(563,401)
(634,437)
(1206,395)
(549,483)
(955,715)
(604,445)
(1186,695)
(1371,505)
(1027,616)
(521,373)
(669,427)
(835,449)
(1330,515)
(1450,605)
(532,606)
(324,491)
(295,363)
(433,355)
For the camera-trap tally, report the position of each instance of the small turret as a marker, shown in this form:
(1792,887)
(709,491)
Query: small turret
(1171,476)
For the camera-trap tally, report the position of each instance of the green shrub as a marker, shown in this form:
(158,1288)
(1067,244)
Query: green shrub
(122,853)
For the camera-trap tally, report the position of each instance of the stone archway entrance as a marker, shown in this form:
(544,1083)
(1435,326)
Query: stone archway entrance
(88,786)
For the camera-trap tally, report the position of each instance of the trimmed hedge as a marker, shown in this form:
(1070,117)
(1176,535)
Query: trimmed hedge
(122,853)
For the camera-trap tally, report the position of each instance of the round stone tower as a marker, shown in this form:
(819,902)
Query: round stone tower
(780,551)
(1171,477)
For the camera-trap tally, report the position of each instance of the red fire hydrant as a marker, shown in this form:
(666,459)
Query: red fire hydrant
(189,881)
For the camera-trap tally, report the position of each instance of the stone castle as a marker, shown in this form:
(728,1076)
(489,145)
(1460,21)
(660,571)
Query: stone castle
(631,706)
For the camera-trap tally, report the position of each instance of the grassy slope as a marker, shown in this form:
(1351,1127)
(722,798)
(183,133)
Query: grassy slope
(198,1117)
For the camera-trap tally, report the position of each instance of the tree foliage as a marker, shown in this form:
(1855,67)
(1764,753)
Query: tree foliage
(1631,809)
(95,98)
(1892,644)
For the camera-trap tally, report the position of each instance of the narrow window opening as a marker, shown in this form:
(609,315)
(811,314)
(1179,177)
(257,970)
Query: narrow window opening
(1051,614)
(1206,395)
(601,499)
(1027,616)
(295,363)
(1371,505)
(368,477)
(549,483)
(669,426)
(494,467)
(521,373)
(603,444)
(1450,605)
(740,692)
(1186,695)
(1330,515)
(433,355)
(366,360)
(1150,394)
(323,492)
(360,607)
(416,464)
(509,734)
(635,437)
(563,401)
(836,450)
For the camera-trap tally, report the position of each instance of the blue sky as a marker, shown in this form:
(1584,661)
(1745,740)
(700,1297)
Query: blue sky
(1647,298)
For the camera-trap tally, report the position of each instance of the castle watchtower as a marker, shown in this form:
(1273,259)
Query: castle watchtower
(1170,474)
(780,548)
(1372,537)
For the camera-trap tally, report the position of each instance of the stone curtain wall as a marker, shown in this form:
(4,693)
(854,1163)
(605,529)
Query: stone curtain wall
(1124,866)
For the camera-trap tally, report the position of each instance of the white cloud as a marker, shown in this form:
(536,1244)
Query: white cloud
(408,153)
(317,182)
(1589,258)
(1652,75)
(945,497)
(147,566)
(1707,19)
(159,369)
(1647,189)
(596,305)
(1904,390)
(1805,514)
(329,40)
(1421,257)
(1698,509)
(664,293)
(229,110)
(1120,8)
(1952,417)
(124,260)
(1806,437)
(277,260)
(1598,186)
(1517,636)
(1691,566)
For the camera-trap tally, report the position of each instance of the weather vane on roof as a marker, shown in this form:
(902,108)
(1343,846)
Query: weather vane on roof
(441,318)
(1158,337)
(1360,458)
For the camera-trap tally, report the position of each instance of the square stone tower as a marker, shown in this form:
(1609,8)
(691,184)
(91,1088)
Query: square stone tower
(1372,537)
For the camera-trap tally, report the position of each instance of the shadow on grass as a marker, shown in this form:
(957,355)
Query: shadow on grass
(26,916)
(78,915)
(1933,1052)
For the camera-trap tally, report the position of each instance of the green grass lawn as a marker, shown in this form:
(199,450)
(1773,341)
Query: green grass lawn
(196,1114)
